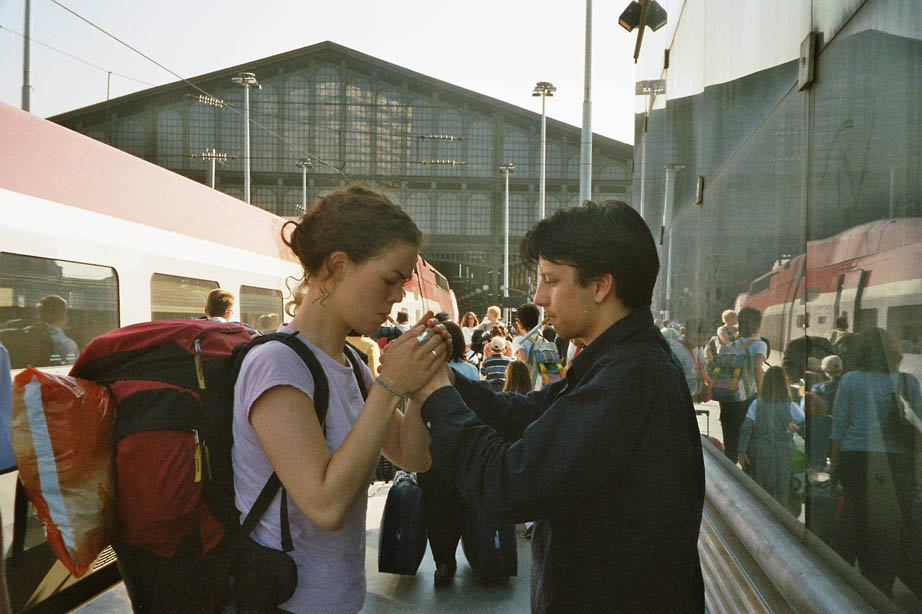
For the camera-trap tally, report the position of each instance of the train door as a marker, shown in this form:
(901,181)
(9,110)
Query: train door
(792,320)
(849,287)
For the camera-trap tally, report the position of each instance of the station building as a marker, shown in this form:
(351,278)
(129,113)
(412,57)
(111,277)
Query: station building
(435,148)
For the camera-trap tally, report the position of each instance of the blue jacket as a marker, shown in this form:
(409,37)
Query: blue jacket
(609,457)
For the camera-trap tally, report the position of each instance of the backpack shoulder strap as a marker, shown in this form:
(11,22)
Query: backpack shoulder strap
(321,402)
(356,369)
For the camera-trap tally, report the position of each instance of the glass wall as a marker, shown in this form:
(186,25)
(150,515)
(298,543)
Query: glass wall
(778,157)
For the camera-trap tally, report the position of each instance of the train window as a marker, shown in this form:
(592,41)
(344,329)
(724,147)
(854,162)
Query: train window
(261,307)
(49,309)
(440,280)
(173,297)
(905,324)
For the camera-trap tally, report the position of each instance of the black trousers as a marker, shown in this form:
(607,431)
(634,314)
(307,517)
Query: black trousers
(443,514)
(732,415)
(879,527)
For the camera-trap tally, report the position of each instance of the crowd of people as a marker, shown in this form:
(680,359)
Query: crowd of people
(860,420)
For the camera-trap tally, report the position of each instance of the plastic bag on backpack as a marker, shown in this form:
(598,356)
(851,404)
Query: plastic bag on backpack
(61,431)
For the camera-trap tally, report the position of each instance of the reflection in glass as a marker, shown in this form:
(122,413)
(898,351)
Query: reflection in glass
(49,309)
(261,308)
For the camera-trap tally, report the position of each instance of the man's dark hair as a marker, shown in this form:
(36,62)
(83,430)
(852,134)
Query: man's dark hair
(52,309)
(750,320)
(403,317)
(842,322)
(442,316)
(610,237)
(528,315)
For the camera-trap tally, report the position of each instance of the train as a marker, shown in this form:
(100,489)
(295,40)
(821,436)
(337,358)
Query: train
(868,273)
(123,241)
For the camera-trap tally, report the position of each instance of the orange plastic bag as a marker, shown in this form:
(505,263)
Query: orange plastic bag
(61,432)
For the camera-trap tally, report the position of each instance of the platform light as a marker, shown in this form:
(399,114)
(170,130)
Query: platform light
(506,169)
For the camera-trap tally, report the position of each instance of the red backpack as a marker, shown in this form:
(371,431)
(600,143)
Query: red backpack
(180,544)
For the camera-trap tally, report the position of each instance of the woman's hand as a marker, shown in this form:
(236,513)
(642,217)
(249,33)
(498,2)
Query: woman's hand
(414,357)
(744,460)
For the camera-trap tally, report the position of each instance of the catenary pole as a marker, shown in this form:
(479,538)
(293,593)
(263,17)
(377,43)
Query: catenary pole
(26,103)
(585,157)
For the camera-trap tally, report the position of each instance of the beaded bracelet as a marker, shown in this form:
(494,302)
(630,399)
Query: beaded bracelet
(391,389)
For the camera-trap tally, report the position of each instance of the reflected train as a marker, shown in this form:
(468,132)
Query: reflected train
(125,241)
(870,273)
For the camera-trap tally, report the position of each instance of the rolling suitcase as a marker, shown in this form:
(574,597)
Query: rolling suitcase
(402,541)
(490,546)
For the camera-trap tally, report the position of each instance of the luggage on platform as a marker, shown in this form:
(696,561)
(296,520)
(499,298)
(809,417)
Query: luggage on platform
(490,546)
(61,432)
(402,540)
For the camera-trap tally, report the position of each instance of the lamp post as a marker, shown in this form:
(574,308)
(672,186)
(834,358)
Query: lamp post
(247,80)
(304,164)
(543,89)
(506,169)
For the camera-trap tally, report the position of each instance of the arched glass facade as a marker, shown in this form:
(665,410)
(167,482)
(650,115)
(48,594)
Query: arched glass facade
(433,148)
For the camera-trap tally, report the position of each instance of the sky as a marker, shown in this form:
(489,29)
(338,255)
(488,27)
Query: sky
(500,49)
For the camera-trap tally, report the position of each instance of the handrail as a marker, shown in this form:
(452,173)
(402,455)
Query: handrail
(811,576)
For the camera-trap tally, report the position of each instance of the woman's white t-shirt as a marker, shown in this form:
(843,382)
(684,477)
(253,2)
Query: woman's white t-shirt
(331,564)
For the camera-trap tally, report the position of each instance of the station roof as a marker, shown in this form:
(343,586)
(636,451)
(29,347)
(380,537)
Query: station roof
(377,69)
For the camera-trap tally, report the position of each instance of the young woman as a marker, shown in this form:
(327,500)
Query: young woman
(768,426)
(357,250)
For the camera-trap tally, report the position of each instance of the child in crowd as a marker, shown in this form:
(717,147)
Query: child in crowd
(766,443)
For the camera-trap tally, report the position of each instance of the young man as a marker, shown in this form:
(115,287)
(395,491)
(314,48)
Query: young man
(733,413)
(220,305)
(52,310)
(526,318)
(608,460)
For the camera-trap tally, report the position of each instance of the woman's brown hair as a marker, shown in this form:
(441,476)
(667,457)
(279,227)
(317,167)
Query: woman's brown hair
(517,378)
(775,386)
(469,319)
(355,220)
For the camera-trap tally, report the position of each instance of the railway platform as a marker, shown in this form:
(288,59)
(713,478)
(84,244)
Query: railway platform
(395,593)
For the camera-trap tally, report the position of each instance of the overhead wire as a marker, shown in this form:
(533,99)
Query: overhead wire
(312,156)
(73,57)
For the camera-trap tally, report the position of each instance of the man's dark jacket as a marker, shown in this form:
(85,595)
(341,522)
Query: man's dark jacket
(609,457)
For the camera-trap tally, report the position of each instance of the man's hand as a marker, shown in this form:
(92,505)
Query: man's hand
(445,376)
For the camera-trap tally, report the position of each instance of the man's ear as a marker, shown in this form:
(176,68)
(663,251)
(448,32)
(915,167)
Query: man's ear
(603,287)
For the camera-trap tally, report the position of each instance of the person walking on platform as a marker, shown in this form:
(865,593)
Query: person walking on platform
(357,249)
(608,460)
(766,437)
(732,413)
